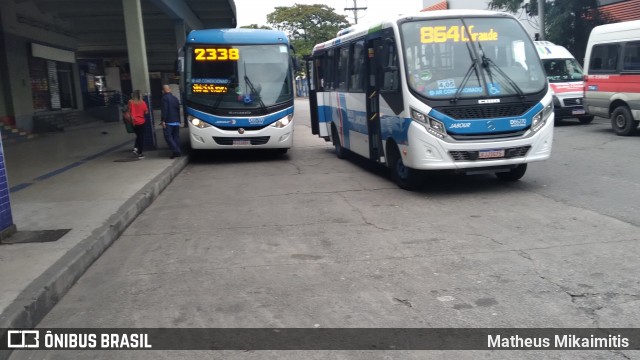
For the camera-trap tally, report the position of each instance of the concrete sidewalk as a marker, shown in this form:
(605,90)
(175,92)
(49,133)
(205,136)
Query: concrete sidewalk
(86,180)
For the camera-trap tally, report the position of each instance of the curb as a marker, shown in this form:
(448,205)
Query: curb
(33,303)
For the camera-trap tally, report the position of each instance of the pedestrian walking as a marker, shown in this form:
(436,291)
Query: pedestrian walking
(170,120)
(138,109)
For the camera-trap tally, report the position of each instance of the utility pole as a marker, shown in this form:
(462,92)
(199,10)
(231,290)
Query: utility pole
(541,18)
(355,9)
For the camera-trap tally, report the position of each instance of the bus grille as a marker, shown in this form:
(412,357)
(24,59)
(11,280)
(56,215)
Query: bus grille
(509,153)
(485,111)
(501,135)
(573,102)
(256,140)
(235,128)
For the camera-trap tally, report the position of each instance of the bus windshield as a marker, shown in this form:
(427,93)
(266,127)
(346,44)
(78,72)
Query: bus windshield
(238,77)
(470,57)
(562,70)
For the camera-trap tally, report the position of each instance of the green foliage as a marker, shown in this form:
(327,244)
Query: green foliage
(511,6)
(256,26)
(307,25)
(567,22)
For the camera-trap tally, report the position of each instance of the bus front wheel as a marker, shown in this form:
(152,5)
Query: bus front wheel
(340,151)
(405,177)
(514,174)
(622,121)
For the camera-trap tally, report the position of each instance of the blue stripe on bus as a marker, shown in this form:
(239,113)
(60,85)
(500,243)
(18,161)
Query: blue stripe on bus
(488,125)
(395,127)
(244,121)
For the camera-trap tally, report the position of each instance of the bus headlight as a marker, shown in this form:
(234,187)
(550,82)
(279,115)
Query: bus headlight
(541,118)
(433,126)
(283,122)
(197,122)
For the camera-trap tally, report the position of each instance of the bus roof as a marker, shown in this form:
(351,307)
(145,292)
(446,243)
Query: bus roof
(237,36)
(622,30)
(549,50)
(363,29)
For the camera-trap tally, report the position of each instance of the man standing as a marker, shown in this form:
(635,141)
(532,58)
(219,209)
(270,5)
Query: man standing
(171,121)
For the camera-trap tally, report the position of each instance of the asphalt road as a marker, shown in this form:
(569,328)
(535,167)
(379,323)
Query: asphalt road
(307,240)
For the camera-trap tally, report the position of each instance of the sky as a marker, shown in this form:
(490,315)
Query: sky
(255,11)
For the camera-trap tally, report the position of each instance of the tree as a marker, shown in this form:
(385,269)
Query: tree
(567,22)
(256,26)
(307,25)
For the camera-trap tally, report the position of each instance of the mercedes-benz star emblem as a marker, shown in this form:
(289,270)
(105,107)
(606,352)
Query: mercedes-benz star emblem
(241,131)
(490,125)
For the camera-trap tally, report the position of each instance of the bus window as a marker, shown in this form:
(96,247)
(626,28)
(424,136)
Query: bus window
(604,58)
(343,67)
(357,67)
(390,80)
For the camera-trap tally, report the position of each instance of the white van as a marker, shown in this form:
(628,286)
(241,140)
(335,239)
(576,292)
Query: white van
(612,81)
(566,80)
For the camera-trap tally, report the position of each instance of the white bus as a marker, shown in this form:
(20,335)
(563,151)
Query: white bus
(612,81)
(238,89)
(453,89)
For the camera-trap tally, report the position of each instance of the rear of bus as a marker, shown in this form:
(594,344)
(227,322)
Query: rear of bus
(239,89)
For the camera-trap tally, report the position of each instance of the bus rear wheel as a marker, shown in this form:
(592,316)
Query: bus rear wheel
(622,121)
(514,174)
(405,177)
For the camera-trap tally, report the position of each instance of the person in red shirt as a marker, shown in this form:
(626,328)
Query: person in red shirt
(138,109)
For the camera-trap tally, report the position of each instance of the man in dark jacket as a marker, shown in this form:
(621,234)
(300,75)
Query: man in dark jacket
(170,109)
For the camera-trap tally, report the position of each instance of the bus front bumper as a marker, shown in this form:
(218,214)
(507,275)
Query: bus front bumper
(268,137)
(432,153)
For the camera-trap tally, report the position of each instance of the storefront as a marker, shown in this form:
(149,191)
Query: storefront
(52,78)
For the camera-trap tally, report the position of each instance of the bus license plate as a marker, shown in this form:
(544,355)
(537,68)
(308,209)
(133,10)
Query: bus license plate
(241,142)
(578,112)
(490,154)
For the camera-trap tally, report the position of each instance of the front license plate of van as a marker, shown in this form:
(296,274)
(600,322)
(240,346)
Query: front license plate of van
(490,154)
(578,112)
(241,142)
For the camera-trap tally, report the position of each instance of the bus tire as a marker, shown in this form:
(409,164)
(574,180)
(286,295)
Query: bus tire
(340,151)
(405,177)
(586,119)
(514,174)
(622,121)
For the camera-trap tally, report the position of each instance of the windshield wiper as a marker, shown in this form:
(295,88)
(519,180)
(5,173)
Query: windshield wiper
(254,91)
(487,63)
(219,98)
(473,67)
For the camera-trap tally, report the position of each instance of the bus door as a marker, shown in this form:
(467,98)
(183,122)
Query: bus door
(384,83)
(313,101)
(374,50)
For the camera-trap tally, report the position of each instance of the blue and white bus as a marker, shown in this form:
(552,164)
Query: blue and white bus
(238,89)
(457,90)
